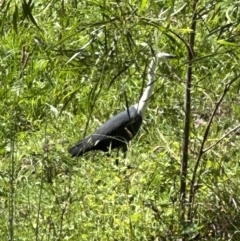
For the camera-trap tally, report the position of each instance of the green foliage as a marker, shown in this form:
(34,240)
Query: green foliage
(66,67)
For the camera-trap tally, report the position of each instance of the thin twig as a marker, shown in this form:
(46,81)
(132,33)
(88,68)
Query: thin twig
(201,151)
(223,137)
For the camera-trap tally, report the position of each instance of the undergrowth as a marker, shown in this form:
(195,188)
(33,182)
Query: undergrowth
(66,67)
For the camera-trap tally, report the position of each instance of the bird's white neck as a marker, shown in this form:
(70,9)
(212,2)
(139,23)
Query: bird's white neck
(145,98)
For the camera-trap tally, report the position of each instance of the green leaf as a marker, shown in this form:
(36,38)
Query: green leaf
(27,10)
(143,6)
(227,43)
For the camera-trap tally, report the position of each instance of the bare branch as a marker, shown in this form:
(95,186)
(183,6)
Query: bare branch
(223,137)
(201,151)
(184,162)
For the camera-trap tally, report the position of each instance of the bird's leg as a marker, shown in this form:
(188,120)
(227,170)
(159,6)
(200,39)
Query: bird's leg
(124,149)
(117,160)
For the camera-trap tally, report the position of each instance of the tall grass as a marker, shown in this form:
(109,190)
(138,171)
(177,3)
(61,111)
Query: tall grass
(66,67)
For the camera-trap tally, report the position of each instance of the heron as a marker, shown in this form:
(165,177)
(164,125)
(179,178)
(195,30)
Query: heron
(123,127)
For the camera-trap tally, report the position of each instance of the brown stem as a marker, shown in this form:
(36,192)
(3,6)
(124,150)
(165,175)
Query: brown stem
(201,150)
(184,162)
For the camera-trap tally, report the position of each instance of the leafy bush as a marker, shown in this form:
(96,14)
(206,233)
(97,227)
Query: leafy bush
(66,67)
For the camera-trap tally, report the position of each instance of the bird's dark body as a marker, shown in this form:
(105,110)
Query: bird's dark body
(115,133)
(120,129)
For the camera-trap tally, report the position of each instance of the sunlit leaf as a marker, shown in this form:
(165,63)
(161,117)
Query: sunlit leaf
(143,6)
(227,43)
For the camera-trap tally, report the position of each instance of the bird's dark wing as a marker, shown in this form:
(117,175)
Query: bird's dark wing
(116,122)
(112,134)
